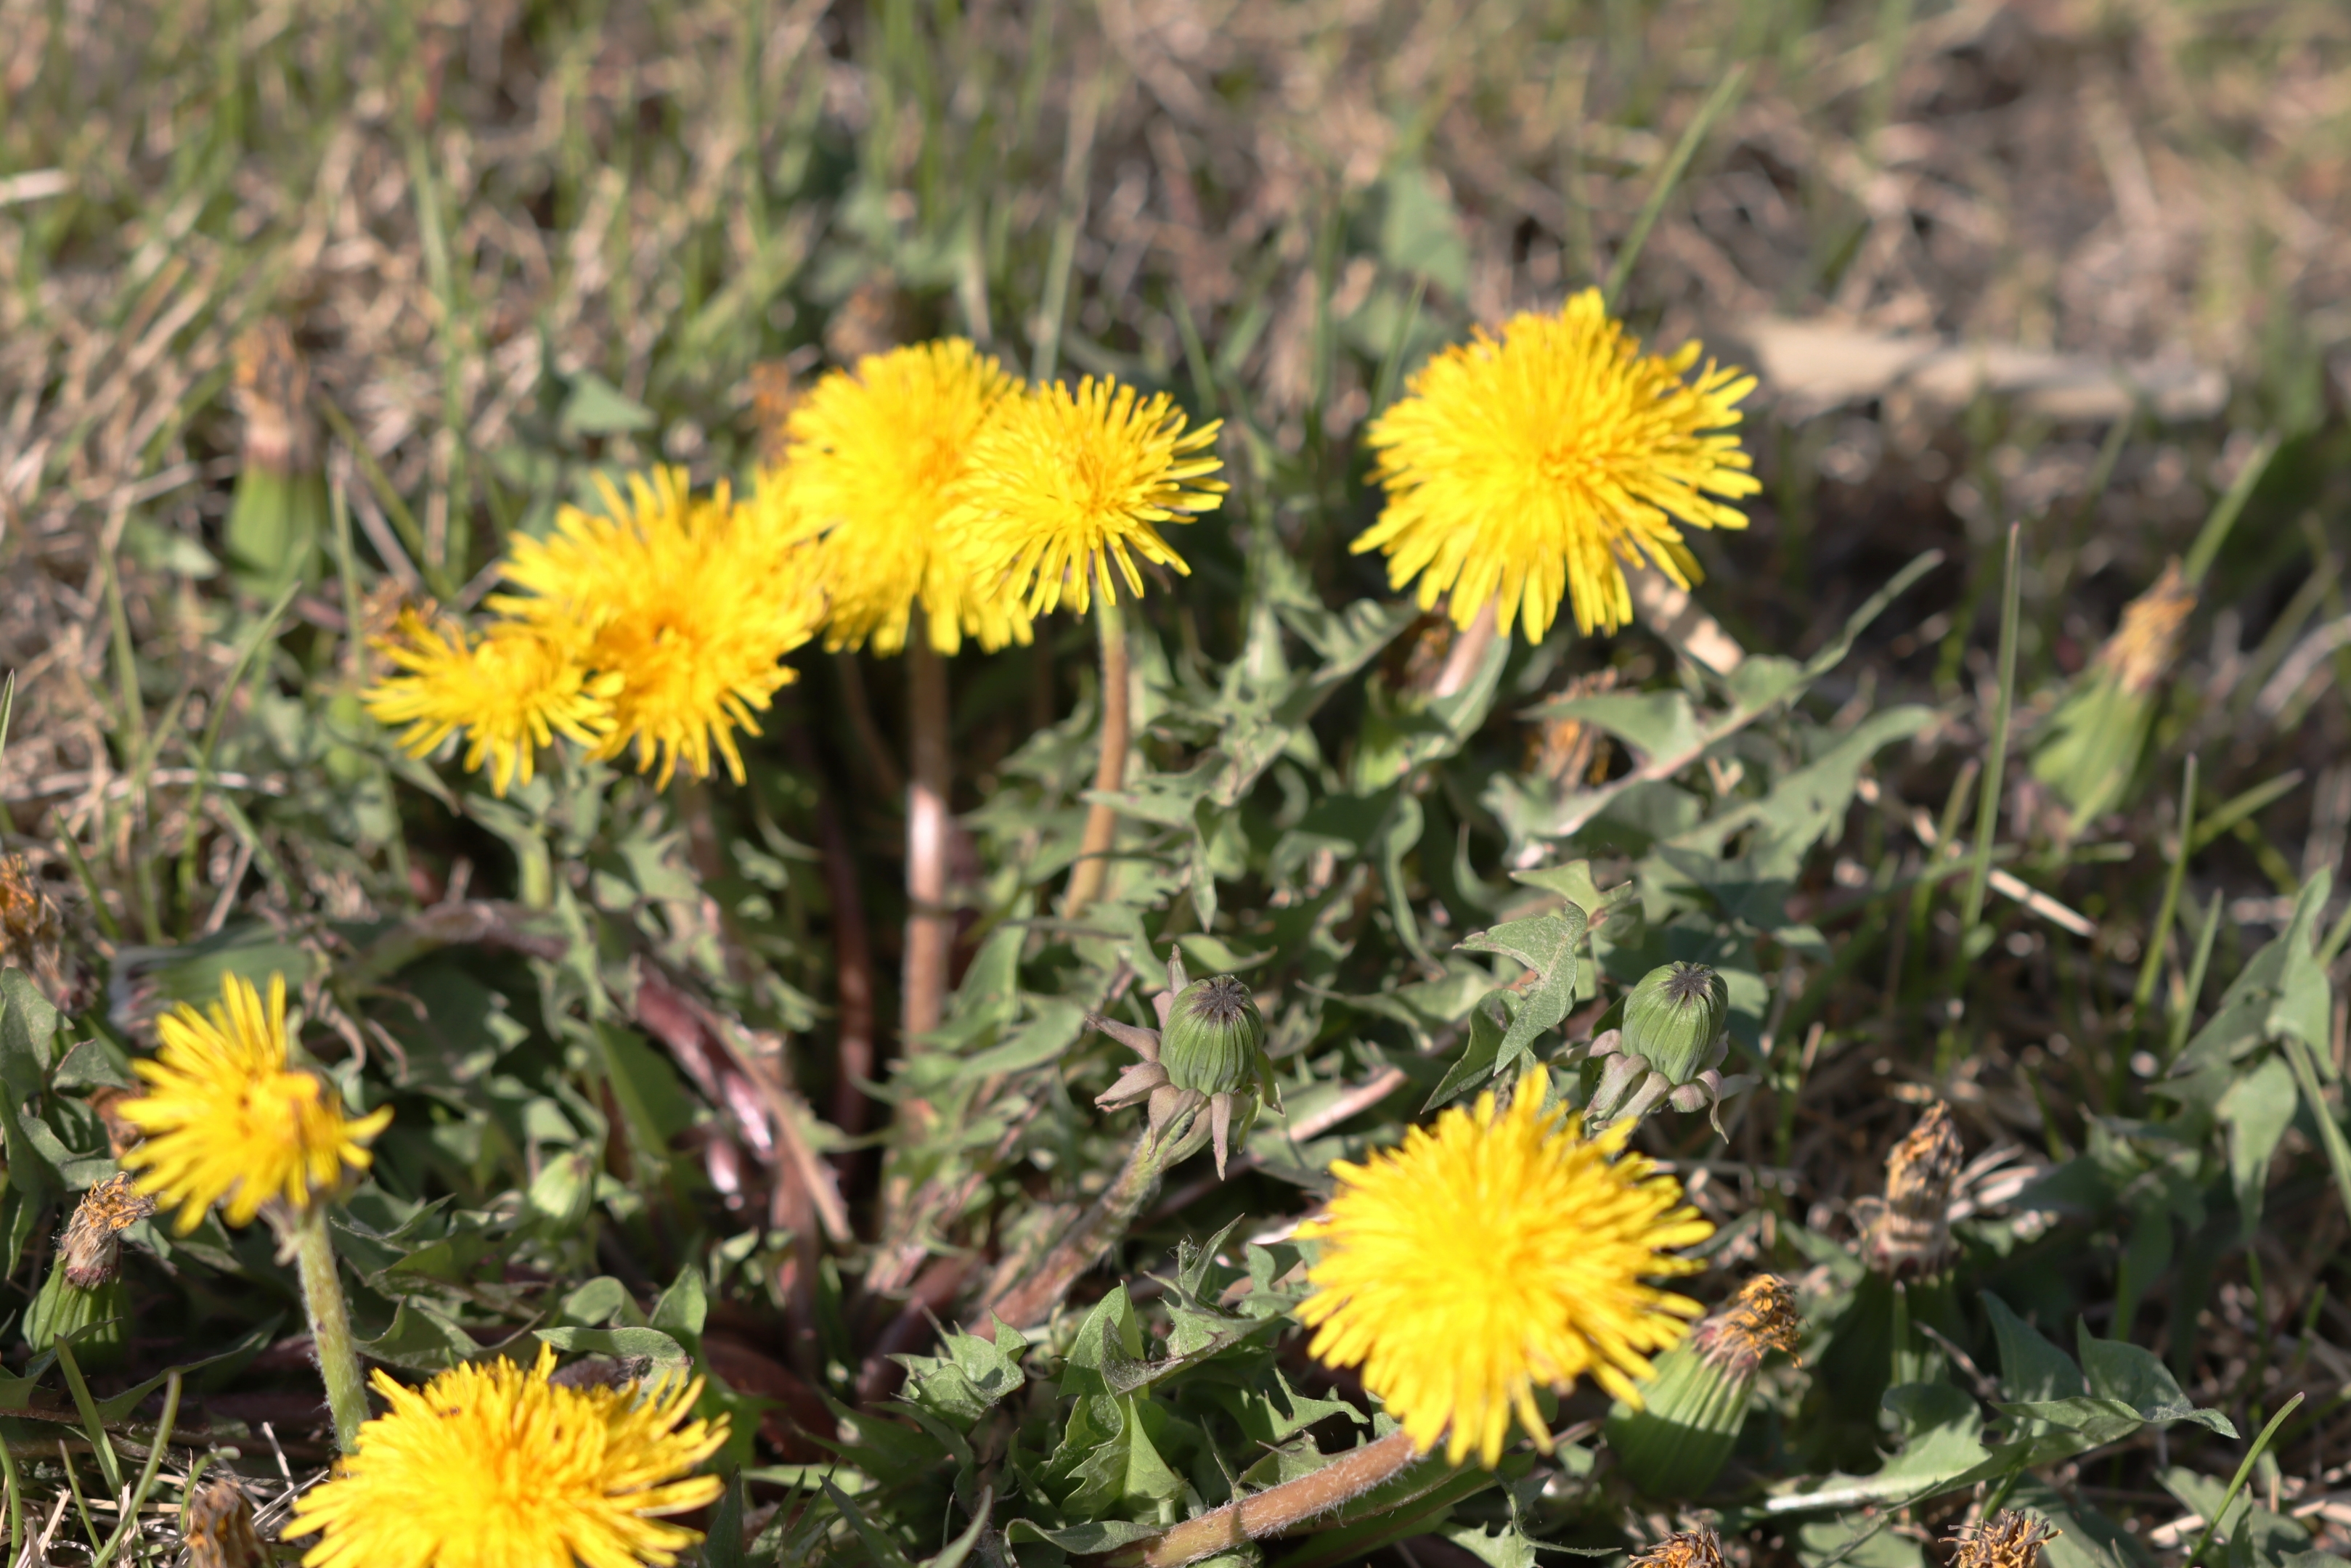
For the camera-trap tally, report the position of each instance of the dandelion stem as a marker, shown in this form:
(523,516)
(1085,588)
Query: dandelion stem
(330,1324)
(1468,654)
(1110,774)
(1274,1509)
(930,928)
(1031,1298)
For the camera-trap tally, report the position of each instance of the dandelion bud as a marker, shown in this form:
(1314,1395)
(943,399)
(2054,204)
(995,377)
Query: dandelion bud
(1692,1409)
(1215,1037)
(1674,1019)
(2006,1540)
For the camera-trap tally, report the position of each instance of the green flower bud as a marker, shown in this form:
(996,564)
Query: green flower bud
(1215,1037)
(64,1307)
(1676,1016)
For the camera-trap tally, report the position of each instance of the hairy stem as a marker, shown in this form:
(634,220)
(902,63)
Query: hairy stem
(930,928)
(1272,1511)
(1031,1298)
(330,1325)
(1109,773)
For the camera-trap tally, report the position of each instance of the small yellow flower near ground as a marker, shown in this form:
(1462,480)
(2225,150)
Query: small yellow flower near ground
(687,604)
(1526,467)
(512,691)
(490,1466)
(1064,486)
(872,457)
(1499,1252)
(228,1122)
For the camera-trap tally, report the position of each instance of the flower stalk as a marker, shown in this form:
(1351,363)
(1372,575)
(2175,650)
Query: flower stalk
(930,928)
(330,1323)
(1273,1510)
(1087,876)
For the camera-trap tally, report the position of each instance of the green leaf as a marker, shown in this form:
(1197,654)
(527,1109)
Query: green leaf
(1654,724)
(421,1338)
(2256,1110)
(1420,232)
(1546,944)
(1125,1471)
(2118,1370)
(682,1308)
(1475,1062)
(2030,1367)
(28,1032)
(621,1345)
(594,406)
(2282,989)
(1506,1548)
(1083,1540)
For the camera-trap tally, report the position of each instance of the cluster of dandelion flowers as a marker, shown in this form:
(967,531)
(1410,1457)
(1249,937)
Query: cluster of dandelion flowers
(1526,468)
(227,1121)
(687,605)
(1499,1252)
(494,1466)
(511,692)
(1067,489)
(875,457)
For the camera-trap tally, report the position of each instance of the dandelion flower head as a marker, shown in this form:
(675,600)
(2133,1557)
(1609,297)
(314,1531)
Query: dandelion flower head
(1065,486)
(873,456)
(689,604)
(227,1121)
(1526,467)
(493,1466)
(512,691)
(1499,1252)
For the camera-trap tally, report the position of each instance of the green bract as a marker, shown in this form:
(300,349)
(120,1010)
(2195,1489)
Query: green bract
(1674,1016)
(1214,1037)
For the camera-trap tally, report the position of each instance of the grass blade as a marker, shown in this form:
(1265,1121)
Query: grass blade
(1996,750)
(2215,532)
(1726,93)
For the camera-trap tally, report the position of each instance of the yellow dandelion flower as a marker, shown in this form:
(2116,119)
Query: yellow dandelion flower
(1062,487)
(511,692)
(490,1466)
(1526,467)
(228,1121)
(874,458)
(1499,1252)
(688,605)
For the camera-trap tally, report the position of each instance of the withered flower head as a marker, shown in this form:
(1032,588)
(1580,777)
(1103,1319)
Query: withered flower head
(2007,1539)
(2142,647)
(772,397)
(272,391)
(1572,751)
(32,932)
(93,1252)
(1910,1228)
(216,1528)
(1759,1320)
(1699,1548)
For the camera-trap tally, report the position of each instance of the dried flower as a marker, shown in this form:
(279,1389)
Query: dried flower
(2007,1539)
(32,932)
(2089,750)
(1675,1444)
(1526,467)
(490,1466)
(1699,1548)
(91,1255)
(1499,1252)
(1910,1228)
(217,1527)
(227,1121)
